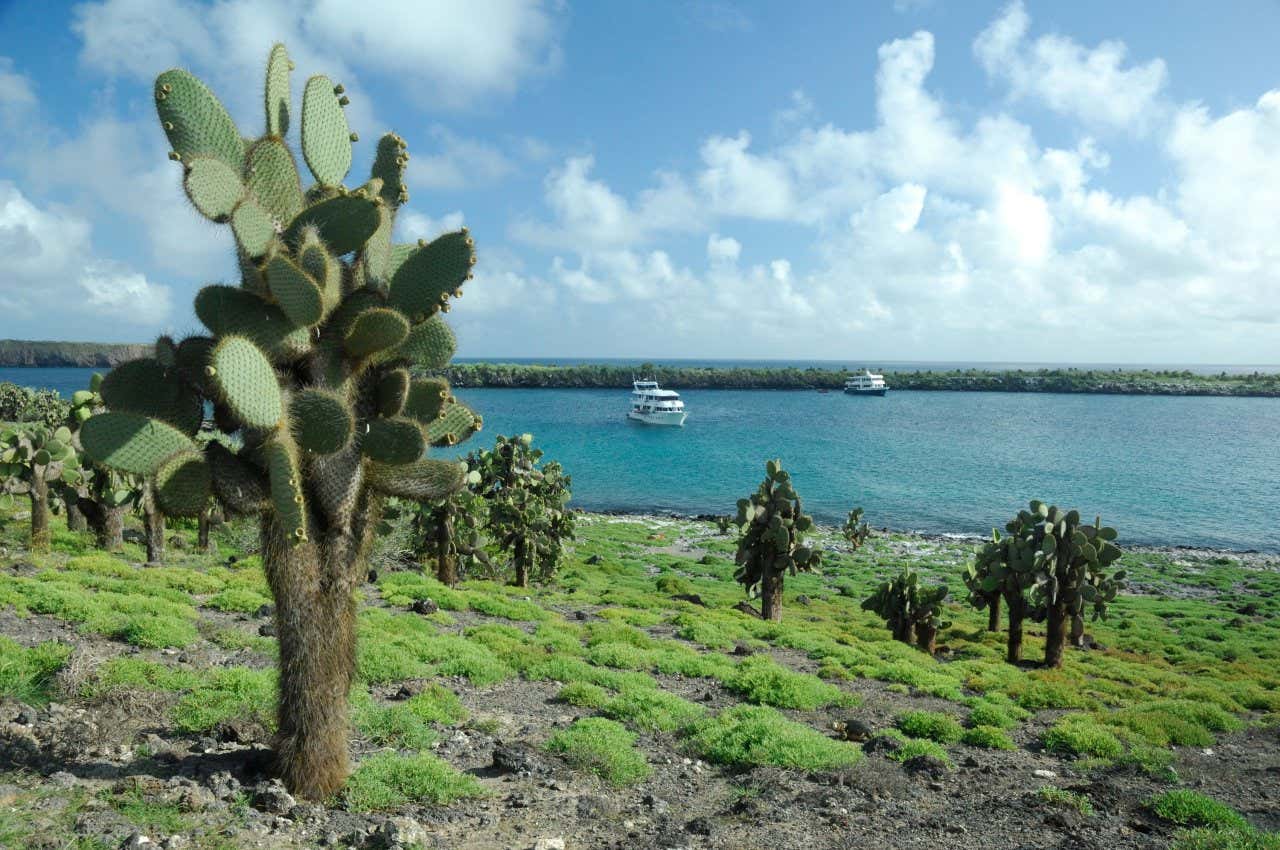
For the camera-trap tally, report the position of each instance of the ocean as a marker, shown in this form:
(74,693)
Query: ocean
(1164,470)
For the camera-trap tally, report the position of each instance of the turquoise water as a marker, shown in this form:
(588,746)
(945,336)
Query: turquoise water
(1167,470)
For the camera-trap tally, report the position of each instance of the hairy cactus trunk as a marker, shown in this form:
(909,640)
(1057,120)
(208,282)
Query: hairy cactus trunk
(902,630)
(108,528)
(521,564)
(1077,631)
(926,637)
(39,512)
(771,596)
(153,528)
(993,614)
(1017,610)
(315,623)
(203,543)
(1056,637)
(75,517)
(446,563)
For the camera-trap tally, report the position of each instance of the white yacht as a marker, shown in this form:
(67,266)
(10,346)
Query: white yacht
(866,384)
(655,406)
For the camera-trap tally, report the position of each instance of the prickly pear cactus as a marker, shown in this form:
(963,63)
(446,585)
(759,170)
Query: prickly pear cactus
(1048,566)
(298,363)
(526,503)
(32,458)
(911,610)
(447,533)
(855,530)
(771,541)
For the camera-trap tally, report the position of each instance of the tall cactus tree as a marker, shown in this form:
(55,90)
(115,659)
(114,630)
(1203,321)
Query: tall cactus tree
(771,543)
(31,459)
(306,366)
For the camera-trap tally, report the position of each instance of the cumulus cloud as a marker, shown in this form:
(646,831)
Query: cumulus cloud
(1094,85)
(458,163)
(53,277)
(923,232)
(456,57)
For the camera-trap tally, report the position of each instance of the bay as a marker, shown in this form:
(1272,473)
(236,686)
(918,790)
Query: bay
(1165,470)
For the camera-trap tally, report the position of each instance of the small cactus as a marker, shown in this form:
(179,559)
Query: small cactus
(448,532)
(855,530)
(911,611)
(526,503)
(32,458)
(771,543)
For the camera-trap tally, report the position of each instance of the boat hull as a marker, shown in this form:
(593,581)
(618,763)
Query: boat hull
(671,418)
(880,391)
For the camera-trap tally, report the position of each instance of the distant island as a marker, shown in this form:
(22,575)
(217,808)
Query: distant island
(615,376)
(90,355)
(1070,380)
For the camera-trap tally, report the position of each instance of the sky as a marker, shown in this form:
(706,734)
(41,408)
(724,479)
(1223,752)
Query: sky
(870,181)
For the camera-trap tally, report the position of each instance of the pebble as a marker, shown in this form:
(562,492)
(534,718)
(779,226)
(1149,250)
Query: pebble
(274,799)
(1041,773)
(402,832)
(549,844)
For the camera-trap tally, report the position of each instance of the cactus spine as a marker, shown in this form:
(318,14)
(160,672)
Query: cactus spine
(292,364)
(771,542)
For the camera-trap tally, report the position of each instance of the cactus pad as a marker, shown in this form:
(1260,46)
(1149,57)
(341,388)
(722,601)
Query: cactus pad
(213,187)
(429,344)
(426,399)
(345,223)
(272,177)
(146,387)
(393,391)
(430,274)
(320,421)
(455,423)
(277,91)
(421,480)
(131,442)
(393,441)
(183,484)
(247,382)
(166,352)
(237,484)
(286,488)
(227,310)
(388,166)
(326,138)
(374,330)
(297,294)
(323,269)
(253,227)
(195,121)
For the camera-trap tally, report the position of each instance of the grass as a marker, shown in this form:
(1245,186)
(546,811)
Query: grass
(932,725)
(987,737)
(749,736)
(1063,798)
(603,747)
(27,674)
(1191,808)
(1226,838)
(1081,735)
(385,781)
(759,679)
(1179,668)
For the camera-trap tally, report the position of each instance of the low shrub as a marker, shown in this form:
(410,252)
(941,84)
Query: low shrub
(603,747)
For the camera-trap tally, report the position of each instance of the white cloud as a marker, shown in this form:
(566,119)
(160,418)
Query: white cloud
(723,249)
(15,89)
(1093,85)
(740,183)
(456,56)
(50,266)
(458,163)
(412,225)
